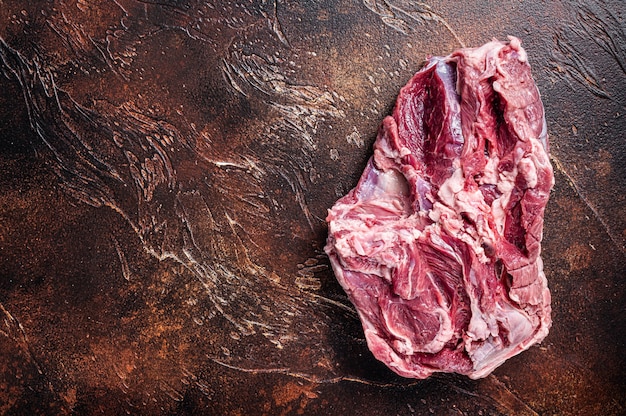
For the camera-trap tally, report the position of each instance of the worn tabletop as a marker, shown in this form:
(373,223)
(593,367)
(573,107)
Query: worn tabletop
(165,172)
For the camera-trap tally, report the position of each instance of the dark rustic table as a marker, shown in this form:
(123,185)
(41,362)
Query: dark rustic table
(166,167)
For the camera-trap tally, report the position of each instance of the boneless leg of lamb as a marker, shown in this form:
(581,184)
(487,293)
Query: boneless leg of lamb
(438,245)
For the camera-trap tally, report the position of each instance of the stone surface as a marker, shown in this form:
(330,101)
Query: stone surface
(166,168)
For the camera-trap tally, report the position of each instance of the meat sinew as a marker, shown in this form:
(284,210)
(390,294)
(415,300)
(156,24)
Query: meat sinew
(438,246)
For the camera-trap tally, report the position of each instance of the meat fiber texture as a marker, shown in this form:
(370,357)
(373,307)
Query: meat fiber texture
(438,246)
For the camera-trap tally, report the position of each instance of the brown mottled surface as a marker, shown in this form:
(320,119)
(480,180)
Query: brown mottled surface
(166,168)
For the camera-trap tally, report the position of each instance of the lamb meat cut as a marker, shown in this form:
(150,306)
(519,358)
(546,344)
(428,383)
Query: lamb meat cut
(438,245)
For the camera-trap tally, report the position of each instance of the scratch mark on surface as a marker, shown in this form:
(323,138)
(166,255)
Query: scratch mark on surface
(117,3)
(123,261)
(229,70)
(299,109)
(171,392)
(569,64)
(606,30)
(14,330)
(494,389)
(310,377)
(351,311)
(276,26)
(403,15)
(581,194)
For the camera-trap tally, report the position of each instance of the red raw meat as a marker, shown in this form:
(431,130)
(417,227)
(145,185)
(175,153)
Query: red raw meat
(438,246)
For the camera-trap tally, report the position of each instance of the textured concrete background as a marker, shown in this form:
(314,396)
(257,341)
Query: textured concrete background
(165,169)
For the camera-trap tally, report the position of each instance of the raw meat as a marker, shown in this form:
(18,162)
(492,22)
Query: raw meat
(438,246)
